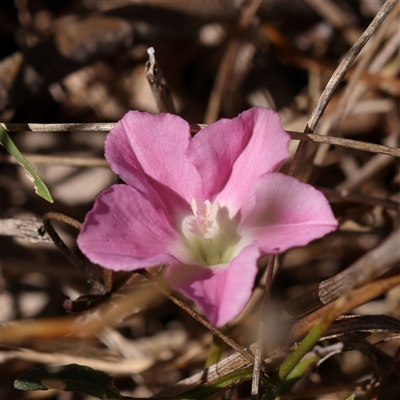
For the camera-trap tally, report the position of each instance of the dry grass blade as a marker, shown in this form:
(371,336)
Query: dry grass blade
(115,367)
(255,383)
(107,126)
(346,63)
(161,91)
(347,324)
(368,170)
(349,143)
(372,265)
(352,299)
(131,298)
(37,330)
(62,127)
(233,363)
(356,87)
(25,229)
(336,78)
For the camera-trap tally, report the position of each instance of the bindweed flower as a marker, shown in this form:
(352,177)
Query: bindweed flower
(208,207)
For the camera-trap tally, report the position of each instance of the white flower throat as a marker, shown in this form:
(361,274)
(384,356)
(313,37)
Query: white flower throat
(209,235)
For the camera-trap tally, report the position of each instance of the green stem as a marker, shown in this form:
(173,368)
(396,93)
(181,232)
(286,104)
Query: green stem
(215,350)
(302,349)
(293,360)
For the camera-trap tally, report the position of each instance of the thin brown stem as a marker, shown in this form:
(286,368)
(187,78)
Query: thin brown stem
(70,255)
(198,317)
(104,127)
(255,384)
(336,79)
(161,91)
(349,143)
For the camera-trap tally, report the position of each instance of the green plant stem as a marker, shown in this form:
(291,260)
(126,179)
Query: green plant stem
(302,349)
(301,368)
(215,351)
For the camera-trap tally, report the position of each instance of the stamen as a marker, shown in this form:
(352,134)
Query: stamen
(204,224)
(194,206)
(209,236)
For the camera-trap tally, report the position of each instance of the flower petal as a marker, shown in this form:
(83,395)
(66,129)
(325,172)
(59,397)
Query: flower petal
(216,147)
(222,293)
(144,148)
(236,152)
(127,231)
(283,212)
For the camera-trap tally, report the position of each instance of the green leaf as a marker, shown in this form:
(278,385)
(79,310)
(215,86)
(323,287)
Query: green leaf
(78,378)
(40,187)
(352,397)
(296,356)
(297,372)
(73,377)
(302,349)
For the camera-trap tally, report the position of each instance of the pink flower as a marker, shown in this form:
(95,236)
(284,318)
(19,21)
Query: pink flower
(208,207)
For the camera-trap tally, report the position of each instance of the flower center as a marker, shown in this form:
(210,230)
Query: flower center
(209,235)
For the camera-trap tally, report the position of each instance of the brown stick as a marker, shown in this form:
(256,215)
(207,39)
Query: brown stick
(71,256)
(161,91)
(25,229)
(343,305)
(335,80)
(372,265)
(106,127)
(198,317)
